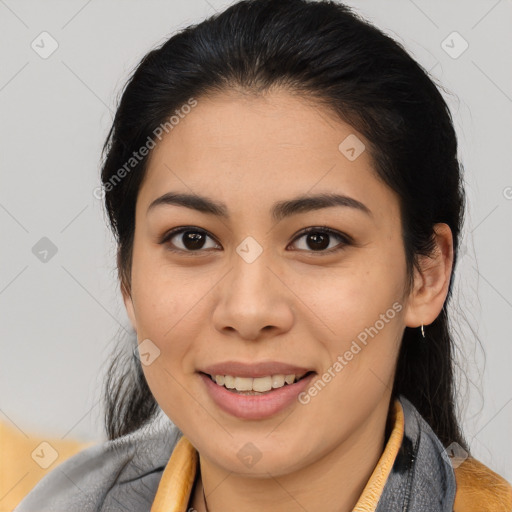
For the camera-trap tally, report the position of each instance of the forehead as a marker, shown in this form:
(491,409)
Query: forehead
(241,147)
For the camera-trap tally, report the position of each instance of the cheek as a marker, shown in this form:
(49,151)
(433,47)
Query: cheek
(167,300)
(168,317)
(169,388)
(346,301)
(361,351)
(358,310)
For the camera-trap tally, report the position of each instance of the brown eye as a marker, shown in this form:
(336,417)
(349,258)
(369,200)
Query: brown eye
(187,239)
(319,239)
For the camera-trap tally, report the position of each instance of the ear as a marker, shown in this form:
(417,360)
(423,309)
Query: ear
(431,283)
(130,310)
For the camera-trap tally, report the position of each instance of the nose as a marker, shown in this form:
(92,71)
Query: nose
(253,300)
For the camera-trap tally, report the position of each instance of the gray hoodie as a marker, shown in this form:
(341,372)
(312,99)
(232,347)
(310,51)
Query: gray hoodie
(123,475)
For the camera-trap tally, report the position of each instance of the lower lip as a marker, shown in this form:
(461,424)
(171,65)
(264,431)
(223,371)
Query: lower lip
(255,407)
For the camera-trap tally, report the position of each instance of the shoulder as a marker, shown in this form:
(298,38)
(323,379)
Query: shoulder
(479,489)
(122,474)
(24,460)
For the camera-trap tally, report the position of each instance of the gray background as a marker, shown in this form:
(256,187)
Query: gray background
(60,317)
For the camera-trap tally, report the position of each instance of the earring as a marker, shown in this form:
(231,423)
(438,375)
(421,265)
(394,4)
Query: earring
(422,331)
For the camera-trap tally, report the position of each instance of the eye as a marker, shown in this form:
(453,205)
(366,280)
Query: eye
(192,239)
(319,238)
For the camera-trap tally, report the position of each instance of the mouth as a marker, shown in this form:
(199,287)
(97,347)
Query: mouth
(256,398)
(256,385)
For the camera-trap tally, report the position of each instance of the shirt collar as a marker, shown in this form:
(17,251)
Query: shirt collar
(178,478)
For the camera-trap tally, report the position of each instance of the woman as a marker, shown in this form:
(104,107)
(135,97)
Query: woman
(283,183)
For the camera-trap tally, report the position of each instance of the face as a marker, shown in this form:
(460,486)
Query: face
(251,287)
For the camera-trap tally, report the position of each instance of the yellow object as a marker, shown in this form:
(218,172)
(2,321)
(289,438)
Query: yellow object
(373,489)
(177,480)
(25,460)
(479,489)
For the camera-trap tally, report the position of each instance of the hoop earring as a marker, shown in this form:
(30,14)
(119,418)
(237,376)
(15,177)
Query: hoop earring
(422,331)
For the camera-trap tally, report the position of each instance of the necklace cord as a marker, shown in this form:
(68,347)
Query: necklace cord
(204,498)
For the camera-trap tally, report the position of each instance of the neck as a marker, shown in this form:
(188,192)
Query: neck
(336,479)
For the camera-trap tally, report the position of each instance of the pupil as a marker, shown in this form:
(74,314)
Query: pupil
(320,241)
(193,240)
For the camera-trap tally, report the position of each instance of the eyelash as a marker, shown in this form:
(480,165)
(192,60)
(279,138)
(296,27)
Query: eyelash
(345,239)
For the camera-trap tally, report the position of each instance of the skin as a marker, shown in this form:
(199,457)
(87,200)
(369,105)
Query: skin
(292,304)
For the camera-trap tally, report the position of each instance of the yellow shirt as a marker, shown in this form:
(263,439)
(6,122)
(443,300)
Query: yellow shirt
(178,478)
(479,489)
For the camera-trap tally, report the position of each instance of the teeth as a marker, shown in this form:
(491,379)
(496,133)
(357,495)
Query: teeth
(260,384)
(278,381)
(289,379)
(243,384)
(229,381)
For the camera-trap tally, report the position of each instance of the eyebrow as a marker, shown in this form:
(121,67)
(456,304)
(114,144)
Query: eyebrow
(279,211)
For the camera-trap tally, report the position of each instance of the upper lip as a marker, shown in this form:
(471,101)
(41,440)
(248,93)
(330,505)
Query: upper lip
(262,369)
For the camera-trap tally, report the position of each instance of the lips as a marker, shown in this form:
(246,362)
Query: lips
(255,406)
(255,370)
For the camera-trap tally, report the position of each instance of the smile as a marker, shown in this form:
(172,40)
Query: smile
(244,400)
(257,385)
